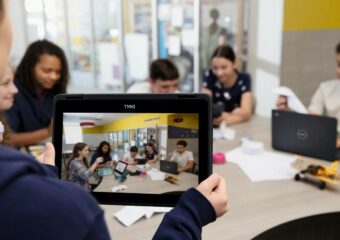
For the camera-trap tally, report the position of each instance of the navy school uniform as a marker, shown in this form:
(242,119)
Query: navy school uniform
(30,112)
(230,98)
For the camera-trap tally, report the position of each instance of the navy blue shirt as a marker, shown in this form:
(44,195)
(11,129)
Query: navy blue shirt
(230,98)
(35,204)
(30,112)
(107,157)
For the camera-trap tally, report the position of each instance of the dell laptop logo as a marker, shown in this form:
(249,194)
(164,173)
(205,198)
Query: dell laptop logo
(129,106)
(302,134)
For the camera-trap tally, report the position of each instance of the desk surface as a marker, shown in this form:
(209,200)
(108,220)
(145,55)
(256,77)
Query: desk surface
(144,184)
(254,207)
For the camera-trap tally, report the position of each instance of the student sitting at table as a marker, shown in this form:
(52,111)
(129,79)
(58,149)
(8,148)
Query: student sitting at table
(79,170)
(183,157)
(228,87)
(326,99)
(103,150)
(130,156)
(163,78)
(150,153)
(41,75)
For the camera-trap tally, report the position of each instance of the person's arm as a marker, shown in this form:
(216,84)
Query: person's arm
(187,166)
(338,142)
(206,91)
(86,173)
(154,160)
(316,106)
(241,114)
(196,208)
(29,138)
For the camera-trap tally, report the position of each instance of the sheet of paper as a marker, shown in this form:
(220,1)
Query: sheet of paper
(263,167)
(174,45)
(137,55)
(129,215)
(177,16)
(227,132)
(156,175)
(164,11)
(217,134)
(293,101)
(188,38)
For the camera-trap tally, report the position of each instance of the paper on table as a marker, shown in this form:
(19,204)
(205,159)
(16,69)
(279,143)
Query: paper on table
(156,175)
(130,214)
(262,167)
(293,101)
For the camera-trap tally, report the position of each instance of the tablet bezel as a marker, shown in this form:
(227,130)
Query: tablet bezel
(117,171)
(139,103)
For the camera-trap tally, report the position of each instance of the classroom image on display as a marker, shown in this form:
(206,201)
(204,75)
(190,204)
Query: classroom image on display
(144,152)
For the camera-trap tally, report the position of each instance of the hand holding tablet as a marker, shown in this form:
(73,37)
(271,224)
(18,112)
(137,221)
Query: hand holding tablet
(127,122)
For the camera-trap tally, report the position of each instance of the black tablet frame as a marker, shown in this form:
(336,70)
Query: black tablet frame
(138,103)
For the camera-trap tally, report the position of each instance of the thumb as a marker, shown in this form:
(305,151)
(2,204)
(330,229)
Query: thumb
(49,154)
(207,186)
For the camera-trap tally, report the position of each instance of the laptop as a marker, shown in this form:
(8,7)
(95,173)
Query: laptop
(169,166)
(305,134)
(140,161)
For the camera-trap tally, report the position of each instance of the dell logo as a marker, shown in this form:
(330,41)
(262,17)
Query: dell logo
(129,106)
(302,134)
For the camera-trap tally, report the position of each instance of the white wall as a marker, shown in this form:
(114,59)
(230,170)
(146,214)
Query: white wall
(265,39)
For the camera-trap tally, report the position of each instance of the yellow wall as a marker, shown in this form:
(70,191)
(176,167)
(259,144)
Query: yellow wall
(146,120)
(302,15)
(189,121)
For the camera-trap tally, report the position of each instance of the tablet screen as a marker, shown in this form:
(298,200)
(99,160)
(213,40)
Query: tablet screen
(132,138)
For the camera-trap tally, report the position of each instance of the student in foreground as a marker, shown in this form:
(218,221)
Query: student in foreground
(326,99)
(34,204)
(163,78)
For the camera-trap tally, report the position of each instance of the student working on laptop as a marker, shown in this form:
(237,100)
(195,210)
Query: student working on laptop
(130,156)
(326,99)
(164,78)
(183,157)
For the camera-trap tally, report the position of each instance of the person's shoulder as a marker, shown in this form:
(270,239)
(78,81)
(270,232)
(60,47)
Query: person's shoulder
(244,76)
(140,87)
(329,84)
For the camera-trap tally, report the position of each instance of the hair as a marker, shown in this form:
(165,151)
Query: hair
(224,51)
(6,134)
(182,143)
(133,149)
(100,147)
(78,147)
(35,50)
(1,8)
(164,70)
(337,48)
(214,13)
(150,145)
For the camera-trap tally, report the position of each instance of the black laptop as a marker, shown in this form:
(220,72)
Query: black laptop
(305,134)
(169,166)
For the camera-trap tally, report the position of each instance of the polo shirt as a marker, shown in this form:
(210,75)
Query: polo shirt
(30,112)
(230,98)
(326,100)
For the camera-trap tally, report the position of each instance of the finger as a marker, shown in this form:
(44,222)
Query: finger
(211,182)
(49,154)
(221,187)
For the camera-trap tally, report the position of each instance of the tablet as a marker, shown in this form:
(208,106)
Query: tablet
(120,167)
(133,120)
